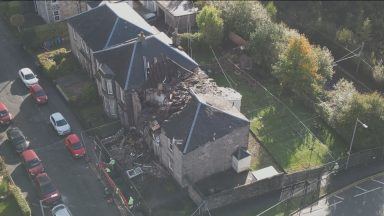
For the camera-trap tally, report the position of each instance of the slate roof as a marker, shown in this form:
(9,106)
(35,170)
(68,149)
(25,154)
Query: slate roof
(94,3)
(126,60)
(109,24)
(201,122)
(178,8)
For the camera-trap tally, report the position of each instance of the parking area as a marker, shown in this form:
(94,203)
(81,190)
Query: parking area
(365,198)
(81,191)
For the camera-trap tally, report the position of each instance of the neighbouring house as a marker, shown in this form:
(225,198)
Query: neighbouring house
(127,72)
(94,3)
(101,27)
(175,14)
(54,11)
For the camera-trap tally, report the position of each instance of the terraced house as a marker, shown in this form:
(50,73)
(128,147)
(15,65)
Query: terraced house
(148,82)
(54,11)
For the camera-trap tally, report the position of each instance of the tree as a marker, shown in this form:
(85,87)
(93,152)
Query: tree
(210,25)
(378,73)
(17,20)
(297,68)
(325,62)
(242,17)
(345,36)
(271,9)
(266,43)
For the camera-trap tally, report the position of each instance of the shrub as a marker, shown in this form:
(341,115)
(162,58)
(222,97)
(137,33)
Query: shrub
(378,73)
(20,200)
(210,25)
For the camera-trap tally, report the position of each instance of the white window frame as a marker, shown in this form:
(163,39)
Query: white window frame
(113,108)
(109,87)
(56,16)
(170,146)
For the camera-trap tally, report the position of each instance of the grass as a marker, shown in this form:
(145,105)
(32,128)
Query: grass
(294,146)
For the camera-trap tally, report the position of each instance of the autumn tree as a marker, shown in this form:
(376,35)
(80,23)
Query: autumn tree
(210,25)
(297,67)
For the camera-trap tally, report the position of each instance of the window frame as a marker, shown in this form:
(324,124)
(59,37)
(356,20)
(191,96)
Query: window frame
(56,17)
(109,87)
(170,164)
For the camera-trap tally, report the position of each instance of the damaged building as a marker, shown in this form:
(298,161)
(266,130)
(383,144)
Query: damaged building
(149,83)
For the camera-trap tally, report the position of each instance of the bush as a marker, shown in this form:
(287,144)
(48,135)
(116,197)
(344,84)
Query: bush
(20,200)
(210,25)
(378,73)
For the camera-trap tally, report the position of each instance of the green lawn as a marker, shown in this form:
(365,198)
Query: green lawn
(279,130)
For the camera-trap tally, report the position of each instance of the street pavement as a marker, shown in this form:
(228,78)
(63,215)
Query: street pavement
(365,198)
(79,186)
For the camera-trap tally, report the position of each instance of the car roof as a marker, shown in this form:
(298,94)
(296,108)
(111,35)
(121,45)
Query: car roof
(36,87)
(73,138)
(2,106)
(57,116)
(26,71)
(61,210)
(29,155)
(15,131)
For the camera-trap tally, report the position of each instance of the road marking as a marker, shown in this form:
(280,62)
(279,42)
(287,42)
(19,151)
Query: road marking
(378,181)
(360,188)
(367,192)
(338,197)
(335,203)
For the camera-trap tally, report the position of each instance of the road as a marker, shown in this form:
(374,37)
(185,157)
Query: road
(80,188)
(365,198)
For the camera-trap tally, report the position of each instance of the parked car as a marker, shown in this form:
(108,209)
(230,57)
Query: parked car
(49,194)
(28,77)
(32,163)
(17,138)
(5,115)
(74,146)
(61,210)
(60,124)
(38,94)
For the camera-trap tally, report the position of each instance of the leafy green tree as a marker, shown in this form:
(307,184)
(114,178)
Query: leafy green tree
(210,25)
(242,17)
(325,63)
(297,67)
(345,36)
(378,73)
(271,9)
(266,42)
(17,20)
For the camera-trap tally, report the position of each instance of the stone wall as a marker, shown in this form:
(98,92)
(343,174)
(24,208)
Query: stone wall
(244,192)
(215,156)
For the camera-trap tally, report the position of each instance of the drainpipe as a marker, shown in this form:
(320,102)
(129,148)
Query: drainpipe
(46,9)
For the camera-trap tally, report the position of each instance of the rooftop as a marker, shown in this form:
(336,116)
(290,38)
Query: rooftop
(178,8)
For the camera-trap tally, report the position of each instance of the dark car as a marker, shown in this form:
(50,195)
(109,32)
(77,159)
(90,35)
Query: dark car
(5,115)
(17,139)
(49,194)
(32,163)
(38,94)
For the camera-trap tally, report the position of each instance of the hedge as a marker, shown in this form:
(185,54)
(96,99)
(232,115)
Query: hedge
(20,200)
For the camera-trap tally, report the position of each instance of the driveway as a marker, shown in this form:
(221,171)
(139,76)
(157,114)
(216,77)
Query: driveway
(80,188)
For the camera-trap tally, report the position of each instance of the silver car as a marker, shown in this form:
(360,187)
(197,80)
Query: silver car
(61,210)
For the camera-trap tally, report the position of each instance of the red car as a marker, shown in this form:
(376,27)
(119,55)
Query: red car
(38,94)
(32,163)
(5,115)
(74,146)
(49,194)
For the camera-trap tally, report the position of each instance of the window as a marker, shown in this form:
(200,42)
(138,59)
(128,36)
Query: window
(170,146)
(170,164)
(113,108)
(122,95)
(109,87)
(56,15)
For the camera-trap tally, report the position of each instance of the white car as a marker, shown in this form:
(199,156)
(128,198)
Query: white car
(60,124)
(28,77)
(61,210)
